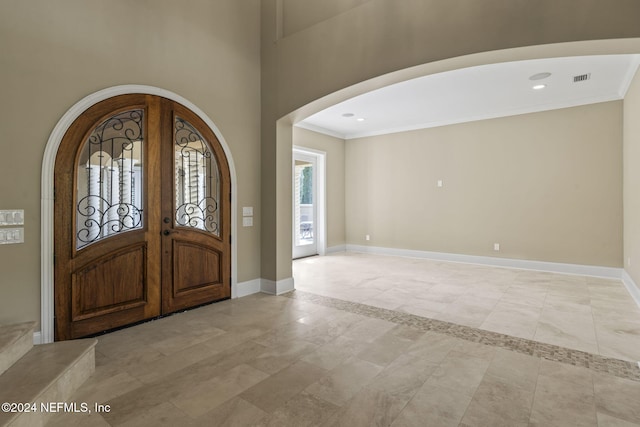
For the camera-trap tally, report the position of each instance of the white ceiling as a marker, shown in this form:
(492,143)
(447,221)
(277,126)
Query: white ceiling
(477,93)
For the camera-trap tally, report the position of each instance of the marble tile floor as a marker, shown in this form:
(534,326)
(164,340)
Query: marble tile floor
(595,362)
(283,361)
(309,360)
(590,314)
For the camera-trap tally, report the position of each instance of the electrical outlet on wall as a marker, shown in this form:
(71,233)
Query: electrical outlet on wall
(12,217)
(367,237)
(496,246)
(11,236)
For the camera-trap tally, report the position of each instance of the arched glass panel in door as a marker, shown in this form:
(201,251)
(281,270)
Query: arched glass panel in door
(197,186)
(109,179)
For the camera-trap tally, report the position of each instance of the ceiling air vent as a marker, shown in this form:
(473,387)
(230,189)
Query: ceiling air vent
(581,77)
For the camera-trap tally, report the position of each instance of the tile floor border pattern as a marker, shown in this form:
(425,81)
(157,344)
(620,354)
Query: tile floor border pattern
(594,362)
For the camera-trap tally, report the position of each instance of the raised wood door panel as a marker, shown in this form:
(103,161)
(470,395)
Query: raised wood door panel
(114,265)
(197,217)
(113,283)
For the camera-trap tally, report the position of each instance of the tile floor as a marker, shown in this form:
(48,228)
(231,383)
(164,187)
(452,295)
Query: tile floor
(287,361)
(590,314)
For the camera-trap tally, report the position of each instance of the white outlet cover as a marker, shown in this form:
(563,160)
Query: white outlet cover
(12,217)
(11,235)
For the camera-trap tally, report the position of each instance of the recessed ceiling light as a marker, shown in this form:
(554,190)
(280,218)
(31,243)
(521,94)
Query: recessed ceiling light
(539,76)
(538,87)
(360,119)
(348,115)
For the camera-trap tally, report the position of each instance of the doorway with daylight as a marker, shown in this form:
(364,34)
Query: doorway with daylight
(309,231)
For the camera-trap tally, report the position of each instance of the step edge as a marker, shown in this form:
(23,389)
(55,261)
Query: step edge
(24,340)
(13,417)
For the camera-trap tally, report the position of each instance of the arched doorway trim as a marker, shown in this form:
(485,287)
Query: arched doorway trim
(47,191)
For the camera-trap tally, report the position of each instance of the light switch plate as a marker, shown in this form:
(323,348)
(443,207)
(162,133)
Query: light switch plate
(12,217)
(247,211)
(247,221)
(11,235)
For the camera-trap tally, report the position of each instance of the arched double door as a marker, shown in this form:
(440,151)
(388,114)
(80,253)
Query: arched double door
(142,222)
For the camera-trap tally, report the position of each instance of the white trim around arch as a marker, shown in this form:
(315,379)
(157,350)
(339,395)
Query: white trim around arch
(47,192)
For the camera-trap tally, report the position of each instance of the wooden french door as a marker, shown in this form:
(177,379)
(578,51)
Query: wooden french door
(142,221)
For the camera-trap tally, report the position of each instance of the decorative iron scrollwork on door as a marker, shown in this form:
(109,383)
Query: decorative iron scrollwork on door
(109,179)
(197,178)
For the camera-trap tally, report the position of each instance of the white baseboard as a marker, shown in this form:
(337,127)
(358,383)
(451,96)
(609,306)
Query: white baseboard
(277,288)
(584,270)
(632,287)
(249,287)
(37,338)
(334,249)
(266,286)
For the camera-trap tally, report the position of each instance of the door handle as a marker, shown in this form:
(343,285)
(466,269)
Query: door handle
(166,220)
(166,232)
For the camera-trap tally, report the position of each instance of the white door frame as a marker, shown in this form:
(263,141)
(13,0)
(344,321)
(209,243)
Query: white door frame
(47,192)
(320,201)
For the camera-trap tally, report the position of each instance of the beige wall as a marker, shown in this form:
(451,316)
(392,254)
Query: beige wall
(55,53)
(298,15)
(335,185)
(360,40)
(354,49)
(632,179)
(546,186)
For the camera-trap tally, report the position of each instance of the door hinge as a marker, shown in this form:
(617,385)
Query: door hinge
(229,238)
(54,259)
